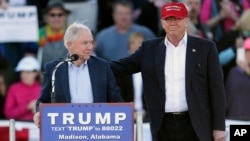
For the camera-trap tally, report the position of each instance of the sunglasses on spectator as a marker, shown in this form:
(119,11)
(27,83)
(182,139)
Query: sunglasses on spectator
(56,15)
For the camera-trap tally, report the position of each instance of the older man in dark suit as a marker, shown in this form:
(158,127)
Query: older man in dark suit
(85,80)
(182,80)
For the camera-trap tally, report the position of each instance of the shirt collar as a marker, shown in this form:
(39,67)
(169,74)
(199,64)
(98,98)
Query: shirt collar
(82,65)
(182,41)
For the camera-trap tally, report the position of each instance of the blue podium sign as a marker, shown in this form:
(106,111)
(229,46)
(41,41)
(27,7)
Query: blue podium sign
(95,121)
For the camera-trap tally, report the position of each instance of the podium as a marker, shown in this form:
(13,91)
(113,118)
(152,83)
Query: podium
(92,121)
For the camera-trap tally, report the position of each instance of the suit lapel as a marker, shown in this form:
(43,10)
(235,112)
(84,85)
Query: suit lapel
(93,77)
(63,77)
(160,55)
(191,58)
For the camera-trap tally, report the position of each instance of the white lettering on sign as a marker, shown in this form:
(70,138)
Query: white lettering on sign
(68,118)
(119,117)
(84,119)
(53,117)
(88,118)
(80,128)
(103,119)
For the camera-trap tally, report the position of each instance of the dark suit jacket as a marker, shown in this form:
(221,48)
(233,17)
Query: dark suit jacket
(103,83)
(204,83)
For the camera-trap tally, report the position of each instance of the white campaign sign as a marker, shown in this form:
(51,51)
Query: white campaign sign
(19,24)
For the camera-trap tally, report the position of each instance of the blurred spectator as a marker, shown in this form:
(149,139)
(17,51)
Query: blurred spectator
(243,25)
(83,11)
(104,14)
(137,4)
(6,70)
(243,28)
(220,16)
(227,51)
(51,45)
(21,97)
(6,78)
(115,38)
(194,7)
(198,28)
(192,30)
(237,88)
(2,94)
(152,9)
(230,45)
(135,41)
(3,4)
(112,42)
(14,51)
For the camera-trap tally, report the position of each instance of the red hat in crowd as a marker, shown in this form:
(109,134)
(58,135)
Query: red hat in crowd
(174,9)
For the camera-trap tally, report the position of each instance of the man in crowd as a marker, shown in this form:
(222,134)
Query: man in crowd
(112,42)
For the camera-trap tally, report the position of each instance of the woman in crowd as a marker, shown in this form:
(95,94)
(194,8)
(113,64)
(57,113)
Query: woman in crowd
(21,96)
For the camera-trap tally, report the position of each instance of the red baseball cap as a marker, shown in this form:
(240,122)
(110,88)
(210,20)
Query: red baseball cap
(174,9)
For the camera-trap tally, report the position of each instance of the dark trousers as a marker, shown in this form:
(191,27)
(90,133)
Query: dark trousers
(177,128)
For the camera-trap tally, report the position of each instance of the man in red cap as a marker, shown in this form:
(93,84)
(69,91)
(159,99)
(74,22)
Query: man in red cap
(182,79)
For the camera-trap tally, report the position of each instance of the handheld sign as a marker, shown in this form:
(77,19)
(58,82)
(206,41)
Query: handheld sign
(94,121)
(19,24)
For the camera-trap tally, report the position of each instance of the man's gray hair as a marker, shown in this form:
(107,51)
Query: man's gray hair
(72,31)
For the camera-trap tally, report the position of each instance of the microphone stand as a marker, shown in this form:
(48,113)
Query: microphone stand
(53,93)
(73,57)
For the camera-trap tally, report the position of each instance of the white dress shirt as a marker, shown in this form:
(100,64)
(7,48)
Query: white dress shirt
(80,84)
(175,62)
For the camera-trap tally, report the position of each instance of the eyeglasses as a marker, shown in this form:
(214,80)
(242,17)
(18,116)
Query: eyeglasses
(56,15)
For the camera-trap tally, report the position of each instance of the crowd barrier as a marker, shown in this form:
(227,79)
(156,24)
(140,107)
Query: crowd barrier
(24,131)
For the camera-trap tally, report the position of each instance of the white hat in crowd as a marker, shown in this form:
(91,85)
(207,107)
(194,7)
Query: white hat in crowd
(28,63)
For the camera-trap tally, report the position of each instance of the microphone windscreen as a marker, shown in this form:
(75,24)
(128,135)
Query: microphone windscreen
(74,57)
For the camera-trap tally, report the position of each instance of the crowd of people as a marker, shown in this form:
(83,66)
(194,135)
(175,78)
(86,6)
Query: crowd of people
(119,28)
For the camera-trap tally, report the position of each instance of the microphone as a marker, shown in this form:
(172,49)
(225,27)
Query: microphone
(72,58)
